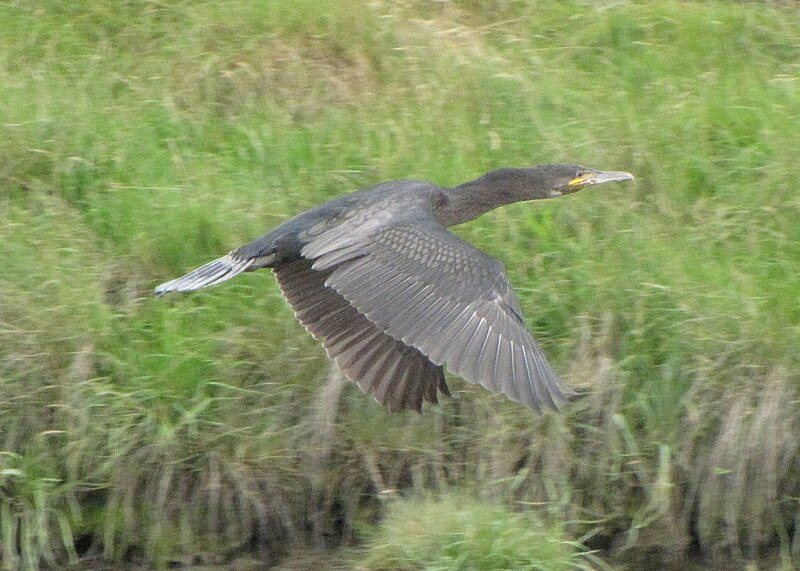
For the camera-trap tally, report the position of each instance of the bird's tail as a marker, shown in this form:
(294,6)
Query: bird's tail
(212,273)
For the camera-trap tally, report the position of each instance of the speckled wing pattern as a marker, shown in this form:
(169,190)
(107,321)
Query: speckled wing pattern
(395,374)
(422,285)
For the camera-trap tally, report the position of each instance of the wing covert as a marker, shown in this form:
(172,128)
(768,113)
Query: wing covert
(425,286)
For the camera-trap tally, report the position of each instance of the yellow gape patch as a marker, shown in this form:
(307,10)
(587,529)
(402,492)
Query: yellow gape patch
(580,180)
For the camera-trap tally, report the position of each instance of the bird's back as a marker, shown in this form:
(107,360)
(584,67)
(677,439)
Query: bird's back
(354,216)
(357,215)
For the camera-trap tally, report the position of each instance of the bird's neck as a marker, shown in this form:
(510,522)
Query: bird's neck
(469,200)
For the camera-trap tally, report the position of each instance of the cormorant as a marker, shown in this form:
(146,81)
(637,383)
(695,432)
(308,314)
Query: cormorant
(394,296)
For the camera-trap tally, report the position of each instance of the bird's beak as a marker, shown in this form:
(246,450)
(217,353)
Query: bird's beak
(597,177)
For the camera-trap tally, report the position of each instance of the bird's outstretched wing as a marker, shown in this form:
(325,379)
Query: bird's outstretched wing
(421,284)
(395,374)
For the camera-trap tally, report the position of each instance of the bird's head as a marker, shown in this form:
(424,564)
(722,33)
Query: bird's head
(566,179)
(508,185)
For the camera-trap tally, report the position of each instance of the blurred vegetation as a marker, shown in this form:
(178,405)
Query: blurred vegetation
(141,138)
(459,531)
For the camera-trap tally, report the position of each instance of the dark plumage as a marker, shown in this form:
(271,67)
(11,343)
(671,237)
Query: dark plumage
(393,296)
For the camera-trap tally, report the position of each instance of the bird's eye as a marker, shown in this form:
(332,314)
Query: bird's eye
(580,174)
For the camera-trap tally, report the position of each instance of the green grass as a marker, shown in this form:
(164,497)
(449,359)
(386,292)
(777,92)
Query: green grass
(142,138)
(460,531)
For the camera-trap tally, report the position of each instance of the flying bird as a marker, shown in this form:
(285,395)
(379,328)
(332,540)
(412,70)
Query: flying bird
(394,297)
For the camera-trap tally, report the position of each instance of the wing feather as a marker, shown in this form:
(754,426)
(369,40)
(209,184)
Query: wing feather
(423,285)
(375,361)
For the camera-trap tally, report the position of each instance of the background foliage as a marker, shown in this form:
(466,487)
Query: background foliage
(142,138)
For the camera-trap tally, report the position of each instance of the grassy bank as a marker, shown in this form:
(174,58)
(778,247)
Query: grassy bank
(140,139)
